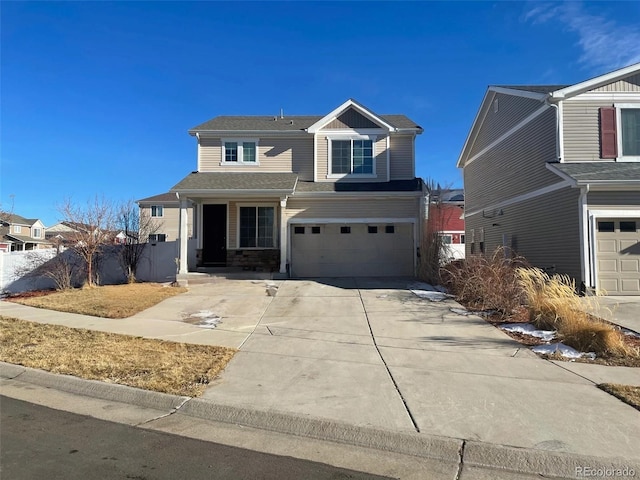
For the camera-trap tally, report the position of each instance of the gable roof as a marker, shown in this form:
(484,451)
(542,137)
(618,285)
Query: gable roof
(14,219)
(298,123)
(545,93)
(169,197)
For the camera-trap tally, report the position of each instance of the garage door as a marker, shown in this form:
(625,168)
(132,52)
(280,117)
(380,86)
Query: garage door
(618,255)
(352,250)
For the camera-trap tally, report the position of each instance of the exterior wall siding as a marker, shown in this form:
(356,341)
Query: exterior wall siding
(169,223)
(510,111)
(581,130)
(629,84)
(351,119)
(401,157)
(275,154)
(545,230)
(352,208)
(623,200)
(515,166)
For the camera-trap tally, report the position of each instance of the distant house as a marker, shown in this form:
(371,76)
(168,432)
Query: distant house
(446,215)
(552,172)
(164,212)
(18,234)
(68,233)
(315,195)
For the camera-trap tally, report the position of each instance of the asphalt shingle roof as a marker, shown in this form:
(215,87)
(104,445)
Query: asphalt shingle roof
(161,198)
(237,181)
(586,172)
(412,185)
(288,123)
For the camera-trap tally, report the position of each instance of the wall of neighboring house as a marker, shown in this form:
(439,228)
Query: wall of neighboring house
(544,229)
(169,223)
(275,154)
(513,167)
(581,119)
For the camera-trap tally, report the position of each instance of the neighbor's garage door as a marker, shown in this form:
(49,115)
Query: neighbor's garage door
(355,250)
(618,255)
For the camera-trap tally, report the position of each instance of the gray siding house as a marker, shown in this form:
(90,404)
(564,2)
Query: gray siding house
(328,196)
(553,173)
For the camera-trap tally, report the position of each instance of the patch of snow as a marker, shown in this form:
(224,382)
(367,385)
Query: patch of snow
(211,322)
(431,295)
(528,329)
(203,314)
(461,311)
(629,333)
(562,349)
(382,296)
(421,286)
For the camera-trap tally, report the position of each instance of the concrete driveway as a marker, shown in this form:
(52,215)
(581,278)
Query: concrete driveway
(369,352)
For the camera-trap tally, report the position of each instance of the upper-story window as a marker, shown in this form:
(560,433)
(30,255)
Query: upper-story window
(37,232)
(17,229)
(351,157)
(630,132)
(157,211)
(239,151)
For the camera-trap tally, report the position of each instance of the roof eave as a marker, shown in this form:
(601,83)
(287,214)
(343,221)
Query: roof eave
(230,192)
(217,133)
(350,104)
(596,82)
(474,127)
(333,193)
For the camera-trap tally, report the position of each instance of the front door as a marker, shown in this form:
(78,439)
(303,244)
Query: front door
(214,235)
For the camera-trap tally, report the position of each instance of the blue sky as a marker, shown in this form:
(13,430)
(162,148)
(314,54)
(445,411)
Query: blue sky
(97,97)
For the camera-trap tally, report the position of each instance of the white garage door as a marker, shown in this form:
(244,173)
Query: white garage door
(352,250)
(618,255)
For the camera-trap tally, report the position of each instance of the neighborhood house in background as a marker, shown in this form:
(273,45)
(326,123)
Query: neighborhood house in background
(332,195)
(164,213)
(553,173)
(446,215)
(18,234)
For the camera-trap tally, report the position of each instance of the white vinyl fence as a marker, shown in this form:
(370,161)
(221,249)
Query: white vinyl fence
(18,270)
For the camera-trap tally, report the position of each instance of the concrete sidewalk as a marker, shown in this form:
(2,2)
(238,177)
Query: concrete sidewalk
(345,359)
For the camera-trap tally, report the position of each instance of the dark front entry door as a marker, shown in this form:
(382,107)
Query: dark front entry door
(214,238)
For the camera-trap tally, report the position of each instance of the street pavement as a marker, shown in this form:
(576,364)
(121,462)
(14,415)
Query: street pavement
(369,363)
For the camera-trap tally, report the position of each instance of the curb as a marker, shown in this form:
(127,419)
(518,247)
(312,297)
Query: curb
(452,450)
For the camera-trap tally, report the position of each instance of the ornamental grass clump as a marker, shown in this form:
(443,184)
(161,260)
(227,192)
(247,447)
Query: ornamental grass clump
(552,303)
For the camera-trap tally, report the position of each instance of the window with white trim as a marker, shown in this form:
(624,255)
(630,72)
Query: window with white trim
(239,151)
(630,132)
(446,239)
(257,227)
(157,211)
(353,156)
(157,237)
(37,232)
(17,229)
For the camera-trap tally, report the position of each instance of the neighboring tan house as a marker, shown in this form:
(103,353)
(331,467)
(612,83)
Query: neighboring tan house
(18,233)
(164,212)
(553,173)
(64,234)
(333,195)
(446,215)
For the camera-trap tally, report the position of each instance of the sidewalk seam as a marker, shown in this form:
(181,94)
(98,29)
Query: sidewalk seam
(461,459)
(393,380)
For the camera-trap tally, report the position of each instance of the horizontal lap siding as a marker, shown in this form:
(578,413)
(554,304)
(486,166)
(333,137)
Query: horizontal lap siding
(515,166)
(582,130)
(401,157)
(511,111)
(274,155)
(621,200)
(322,157)
(545,230)
(353,208)
(169,223)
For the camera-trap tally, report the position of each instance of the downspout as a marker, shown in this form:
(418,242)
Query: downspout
(585,264)
(559,129)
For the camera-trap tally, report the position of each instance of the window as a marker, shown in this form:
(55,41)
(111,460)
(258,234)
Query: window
(606,226)
(373,229)
(352,157)
(157,211)
(298,230)
(462,238)
(17,229)
(37,232)
(630,131)
(447,239)
(390,229)
(315,230)
(345,229)
(240,151)
(629,227)
(257,226)
(157,237)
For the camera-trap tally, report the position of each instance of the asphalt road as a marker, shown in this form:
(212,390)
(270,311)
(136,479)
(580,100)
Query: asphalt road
(38,442)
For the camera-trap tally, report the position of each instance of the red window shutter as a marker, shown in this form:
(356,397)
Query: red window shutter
(608,134)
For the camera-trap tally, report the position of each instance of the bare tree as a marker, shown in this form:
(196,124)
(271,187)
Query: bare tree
(62,268)
(137,224)
(92,227)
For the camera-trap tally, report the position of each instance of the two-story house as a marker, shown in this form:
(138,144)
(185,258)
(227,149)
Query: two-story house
(333,195)
(553,173)
(18,233)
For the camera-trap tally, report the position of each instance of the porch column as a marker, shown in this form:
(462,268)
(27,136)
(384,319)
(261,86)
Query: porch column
(283,236)
(184,237)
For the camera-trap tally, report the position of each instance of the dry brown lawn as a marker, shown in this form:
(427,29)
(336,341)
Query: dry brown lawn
(109,301)
(176,368)
(627,393)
